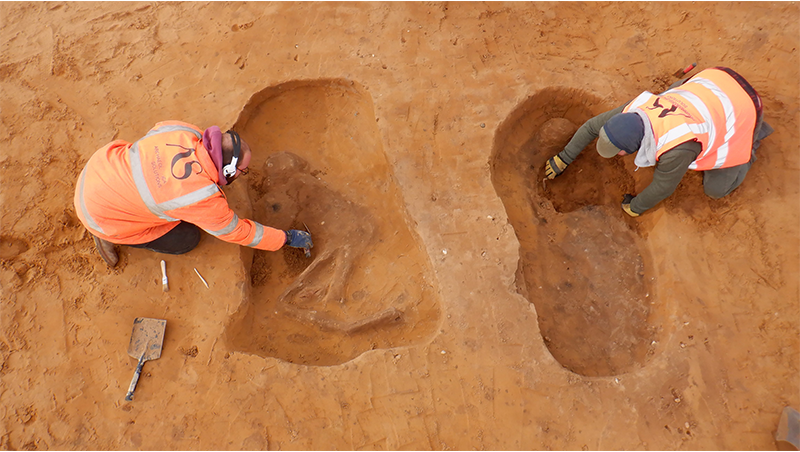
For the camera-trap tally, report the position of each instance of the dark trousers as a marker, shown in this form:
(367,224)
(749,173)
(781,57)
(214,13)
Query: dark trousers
(721,182)
(180,240)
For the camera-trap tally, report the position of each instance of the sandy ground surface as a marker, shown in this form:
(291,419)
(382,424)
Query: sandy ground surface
(453,301)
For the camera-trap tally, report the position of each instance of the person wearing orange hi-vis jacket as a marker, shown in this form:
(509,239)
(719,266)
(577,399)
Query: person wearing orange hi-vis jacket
(710,122)
(160,191)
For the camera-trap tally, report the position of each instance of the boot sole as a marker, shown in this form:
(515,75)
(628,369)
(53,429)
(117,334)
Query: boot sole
(110,260)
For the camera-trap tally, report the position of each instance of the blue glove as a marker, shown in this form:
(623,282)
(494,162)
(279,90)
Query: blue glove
(298,239)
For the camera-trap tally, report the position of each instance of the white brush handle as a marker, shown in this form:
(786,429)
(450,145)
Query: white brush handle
(164,281)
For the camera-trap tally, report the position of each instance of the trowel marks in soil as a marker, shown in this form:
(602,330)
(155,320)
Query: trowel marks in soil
(318,162)
(582,266)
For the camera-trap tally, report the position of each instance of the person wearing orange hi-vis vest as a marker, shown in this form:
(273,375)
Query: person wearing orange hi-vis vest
(710,122)
(160,191)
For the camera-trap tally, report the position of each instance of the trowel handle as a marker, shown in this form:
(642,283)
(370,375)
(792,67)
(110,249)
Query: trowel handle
(132,388)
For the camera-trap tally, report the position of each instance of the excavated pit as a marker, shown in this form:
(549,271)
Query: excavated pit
(318,162)
(582,264)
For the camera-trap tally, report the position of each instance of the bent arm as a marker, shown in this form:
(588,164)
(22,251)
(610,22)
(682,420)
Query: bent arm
(586,133)
(667,174)
(214,216)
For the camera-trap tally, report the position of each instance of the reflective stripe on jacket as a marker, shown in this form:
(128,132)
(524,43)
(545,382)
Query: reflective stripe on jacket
(711,108)
(134,193)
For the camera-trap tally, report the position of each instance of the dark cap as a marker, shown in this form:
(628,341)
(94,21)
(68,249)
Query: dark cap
(623,132)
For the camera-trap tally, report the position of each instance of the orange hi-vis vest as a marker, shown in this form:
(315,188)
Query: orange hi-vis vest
(134,193)
(711,108)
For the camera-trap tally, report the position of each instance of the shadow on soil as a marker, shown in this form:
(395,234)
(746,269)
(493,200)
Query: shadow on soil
(319,164)
(587,272)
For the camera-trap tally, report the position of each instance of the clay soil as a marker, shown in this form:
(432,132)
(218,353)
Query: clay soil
(453,300)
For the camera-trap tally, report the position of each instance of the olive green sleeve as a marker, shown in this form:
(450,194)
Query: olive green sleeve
(586,133)
(591,129)
(669,171)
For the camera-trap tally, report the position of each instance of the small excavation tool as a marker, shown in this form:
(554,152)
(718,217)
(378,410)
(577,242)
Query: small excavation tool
(681,72)
(164,280)
(201,278)
(306,250)
(146,341)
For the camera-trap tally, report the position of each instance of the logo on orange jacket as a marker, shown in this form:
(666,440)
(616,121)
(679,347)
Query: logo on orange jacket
(187,165)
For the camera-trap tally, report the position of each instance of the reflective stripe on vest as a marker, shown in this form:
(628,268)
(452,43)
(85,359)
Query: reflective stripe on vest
(89,220)
(713,123)
(258,236)
(144,191)
(232,225)
(135,192)
(185,200)
(730,117)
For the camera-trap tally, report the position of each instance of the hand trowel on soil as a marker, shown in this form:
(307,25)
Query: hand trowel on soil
(146,341)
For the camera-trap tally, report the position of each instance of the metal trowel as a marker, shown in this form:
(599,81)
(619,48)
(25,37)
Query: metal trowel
(146,341)
(307,251)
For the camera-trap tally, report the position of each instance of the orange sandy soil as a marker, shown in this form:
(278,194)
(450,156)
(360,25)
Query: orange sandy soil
(453,300)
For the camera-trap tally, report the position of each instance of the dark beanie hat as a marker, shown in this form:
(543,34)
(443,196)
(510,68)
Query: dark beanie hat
(625,131)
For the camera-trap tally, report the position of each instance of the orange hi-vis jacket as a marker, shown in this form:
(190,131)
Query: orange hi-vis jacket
(711,108)
(134,193)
